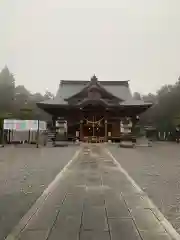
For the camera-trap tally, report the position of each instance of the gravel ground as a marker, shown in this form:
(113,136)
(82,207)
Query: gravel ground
(24,174)
(157,171)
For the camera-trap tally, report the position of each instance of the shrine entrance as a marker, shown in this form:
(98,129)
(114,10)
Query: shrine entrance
(94,128)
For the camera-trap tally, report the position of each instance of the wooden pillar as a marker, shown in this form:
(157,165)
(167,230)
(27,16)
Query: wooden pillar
(133,124)
(106,131)
(66,129)
(53,130)
(119,130)
(81,130)
(54,121)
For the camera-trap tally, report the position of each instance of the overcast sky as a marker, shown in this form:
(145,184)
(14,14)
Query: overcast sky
(45,41)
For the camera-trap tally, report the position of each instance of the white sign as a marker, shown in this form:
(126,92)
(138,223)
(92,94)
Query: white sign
(24,125)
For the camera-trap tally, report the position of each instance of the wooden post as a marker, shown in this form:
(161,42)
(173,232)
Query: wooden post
(53,121)
(2,137)
(29,134)
(66,128)
(81,130)
(37,139)
(106,131)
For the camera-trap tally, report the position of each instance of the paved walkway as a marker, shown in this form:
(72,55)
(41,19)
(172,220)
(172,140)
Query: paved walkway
(92,200)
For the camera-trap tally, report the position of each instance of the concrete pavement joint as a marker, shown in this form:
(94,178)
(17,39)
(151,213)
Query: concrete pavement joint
(55,220)
(40,201)
(106,213)
(161,218)
(81,223)
(107,219)
(131,215)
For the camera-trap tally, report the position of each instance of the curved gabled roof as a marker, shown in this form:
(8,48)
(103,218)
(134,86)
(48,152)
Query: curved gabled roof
(119,89)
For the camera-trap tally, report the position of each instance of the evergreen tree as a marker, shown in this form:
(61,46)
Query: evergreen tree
(7,90)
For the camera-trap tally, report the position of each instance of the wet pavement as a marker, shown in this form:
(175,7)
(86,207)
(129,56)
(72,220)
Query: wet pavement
(24,174)
(93,199)
(156,169)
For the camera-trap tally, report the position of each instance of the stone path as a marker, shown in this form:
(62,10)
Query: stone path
(156,170)
(24,175)
(93,200)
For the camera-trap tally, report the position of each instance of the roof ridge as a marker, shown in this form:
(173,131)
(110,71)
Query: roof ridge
(118,82)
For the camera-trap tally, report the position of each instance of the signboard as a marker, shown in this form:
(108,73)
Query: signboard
(24,125)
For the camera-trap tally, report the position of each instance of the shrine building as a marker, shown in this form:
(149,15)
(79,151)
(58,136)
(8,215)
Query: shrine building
(95,110)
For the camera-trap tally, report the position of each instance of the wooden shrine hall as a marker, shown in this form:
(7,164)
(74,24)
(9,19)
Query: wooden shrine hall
(95,111)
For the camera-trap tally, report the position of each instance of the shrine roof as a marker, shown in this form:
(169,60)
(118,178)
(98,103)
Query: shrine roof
(55,101)
(133,102)
(119,89)
(69,88)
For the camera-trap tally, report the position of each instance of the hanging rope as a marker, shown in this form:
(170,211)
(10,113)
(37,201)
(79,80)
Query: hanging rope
(94,122)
